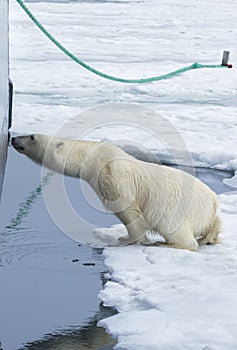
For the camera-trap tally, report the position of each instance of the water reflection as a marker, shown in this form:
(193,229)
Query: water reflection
(88,337)
(26,206)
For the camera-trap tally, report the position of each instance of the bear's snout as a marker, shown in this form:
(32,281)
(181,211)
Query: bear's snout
(17,144)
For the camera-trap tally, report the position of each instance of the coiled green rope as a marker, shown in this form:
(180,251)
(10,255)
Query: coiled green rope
(107,76)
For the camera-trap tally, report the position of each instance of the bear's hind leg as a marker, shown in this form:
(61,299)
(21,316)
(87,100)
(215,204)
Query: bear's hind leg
(211,235)
(182,239)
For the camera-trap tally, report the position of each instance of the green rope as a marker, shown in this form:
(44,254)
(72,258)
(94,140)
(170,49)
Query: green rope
(104,75)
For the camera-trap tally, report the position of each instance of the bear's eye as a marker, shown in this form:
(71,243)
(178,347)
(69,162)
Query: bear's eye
(32,137)
(59,144)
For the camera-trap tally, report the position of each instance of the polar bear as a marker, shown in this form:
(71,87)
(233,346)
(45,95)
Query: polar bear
(146,197)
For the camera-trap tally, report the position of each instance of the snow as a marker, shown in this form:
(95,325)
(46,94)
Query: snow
(201,104)
(166,298)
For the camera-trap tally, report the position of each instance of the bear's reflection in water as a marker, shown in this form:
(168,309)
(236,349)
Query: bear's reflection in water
(89,337)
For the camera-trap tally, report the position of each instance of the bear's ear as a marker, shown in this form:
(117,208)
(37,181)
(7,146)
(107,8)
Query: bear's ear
(59,145)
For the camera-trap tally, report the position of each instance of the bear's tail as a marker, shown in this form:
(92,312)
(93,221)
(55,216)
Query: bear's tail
(211,234)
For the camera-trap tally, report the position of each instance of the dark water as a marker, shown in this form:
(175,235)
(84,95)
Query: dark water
(87,337)
(49,283)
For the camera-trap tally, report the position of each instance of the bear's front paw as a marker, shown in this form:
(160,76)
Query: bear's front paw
(124,240)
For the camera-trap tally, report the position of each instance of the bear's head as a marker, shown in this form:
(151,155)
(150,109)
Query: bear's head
(42,149)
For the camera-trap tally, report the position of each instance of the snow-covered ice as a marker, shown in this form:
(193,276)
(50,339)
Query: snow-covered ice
(175,299)
(167,299)
(130,39)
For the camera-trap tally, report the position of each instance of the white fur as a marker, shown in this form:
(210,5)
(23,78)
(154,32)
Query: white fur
(144,196)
